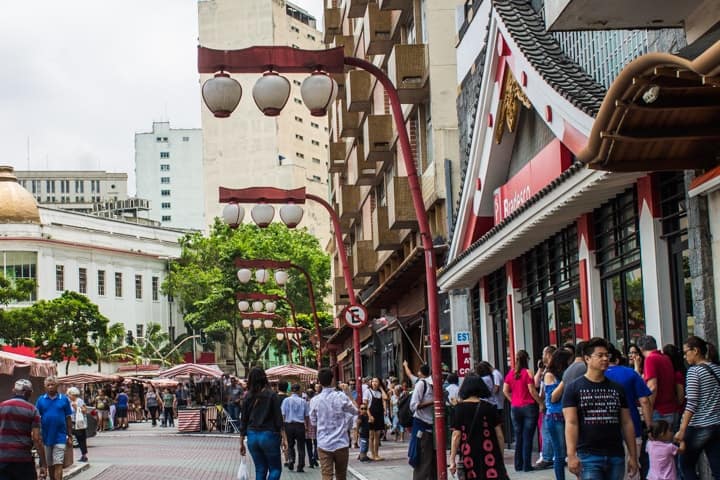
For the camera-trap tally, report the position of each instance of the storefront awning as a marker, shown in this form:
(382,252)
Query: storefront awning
(661,113)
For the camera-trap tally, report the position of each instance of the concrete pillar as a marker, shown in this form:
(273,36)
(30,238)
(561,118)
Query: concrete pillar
(461,320)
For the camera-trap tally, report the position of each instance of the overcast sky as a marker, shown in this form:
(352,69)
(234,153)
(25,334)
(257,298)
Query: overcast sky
(79,78)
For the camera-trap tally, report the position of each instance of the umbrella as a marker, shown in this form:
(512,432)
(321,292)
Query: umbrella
(303,374)
(186,369)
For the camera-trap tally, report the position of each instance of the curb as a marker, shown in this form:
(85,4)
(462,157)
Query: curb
(75,470)
(356,474)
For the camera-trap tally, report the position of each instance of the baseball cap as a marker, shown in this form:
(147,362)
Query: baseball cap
(23,385)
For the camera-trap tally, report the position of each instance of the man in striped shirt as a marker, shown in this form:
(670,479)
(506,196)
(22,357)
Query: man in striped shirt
(19,430)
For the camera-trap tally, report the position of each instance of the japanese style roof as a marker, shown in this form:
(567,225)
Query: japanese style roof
(543,51)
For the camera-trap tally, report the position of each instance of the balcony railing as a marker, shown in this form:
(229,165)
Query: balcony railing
(408,70)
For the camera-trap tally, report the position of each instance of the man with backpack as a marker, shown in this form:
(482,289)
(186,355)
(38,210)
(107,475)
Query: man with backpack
(421,455)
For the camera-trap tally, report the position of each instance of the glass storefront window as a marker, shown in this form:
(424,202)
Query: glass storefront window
(20,265)
(496,285)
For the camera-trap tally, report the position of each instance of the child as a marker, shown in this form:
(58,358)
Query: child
(363,427)
(661,452)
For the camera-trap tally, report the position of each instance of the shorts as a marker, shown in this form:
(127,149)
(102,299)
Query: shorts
(121,412)
(55,454)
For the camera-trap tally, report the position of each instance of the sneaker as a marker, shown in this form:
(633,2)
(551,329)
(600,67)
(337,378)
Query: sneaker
(543,464)
(84,458)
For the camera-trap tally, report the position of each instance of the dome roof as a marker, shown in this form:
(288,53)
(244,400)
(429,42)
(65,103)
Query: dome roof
(17,205)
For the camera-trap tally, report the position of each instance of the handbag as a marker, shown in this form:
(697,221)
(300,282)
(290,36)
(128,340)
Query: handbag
(460,473)
(80,420)
(243,473)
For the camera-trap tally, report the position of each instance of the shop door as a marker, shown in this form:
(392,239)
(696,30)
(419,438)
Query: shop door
(540,333)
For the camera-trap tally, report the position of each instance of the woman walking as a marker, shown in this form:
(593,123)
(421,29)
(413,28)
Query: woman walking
(102,406)
(554,421)
(519,389)
(700,425)
(79,421)
(152,403)
(477,436)
(375,399)
(261,422)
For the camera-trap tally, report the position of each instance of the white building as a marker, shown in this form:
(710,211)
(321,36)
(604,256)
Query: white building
(249,149)
(168,169)
(119,266)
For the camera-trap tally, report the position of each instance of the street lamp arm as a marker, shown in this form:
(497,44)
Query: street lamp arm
(190,337)
(280,58)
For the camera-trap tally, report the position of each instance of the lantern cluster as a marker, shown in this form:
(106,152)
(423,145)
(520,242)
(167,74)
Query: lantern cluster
(262,214)
(262,276)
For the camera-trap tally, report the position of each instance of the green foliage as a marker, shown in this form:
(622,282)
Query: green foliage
(110,345)
(205,282)
(15,290)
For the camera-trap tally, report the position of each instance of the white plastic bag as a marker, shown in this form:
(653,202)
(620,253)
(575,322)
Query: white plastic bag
(243,472)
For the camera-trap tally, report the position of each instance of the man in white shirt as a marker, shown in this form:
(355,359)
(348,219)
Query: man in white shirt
(421,453)
(329,412)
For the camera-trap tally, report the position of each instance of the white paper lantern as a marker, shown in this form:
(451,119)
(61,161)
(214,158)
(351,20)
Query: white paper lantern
(246,323)
(279,336)
(221,94)
(268,323)
(318,91)
(262,214)
(257,323)
(257,306)
(270,307)
(291,215)
(244,275)
(271,93)
(233,214)
(243,305)
(262,275)
(281,277)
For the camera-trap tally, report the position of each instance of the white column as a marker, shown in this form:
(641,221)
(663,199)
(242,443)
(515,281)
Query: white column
(461,321)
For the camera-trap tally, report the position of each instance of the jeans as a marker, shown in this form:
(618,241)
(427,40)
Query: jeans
(153,414)
(311,449)
(18,471)
(698,439)
(554,425)
(524,423)
(233,409)
(264,447)
(168,417)
(547,447)
(363,446)
(599,467)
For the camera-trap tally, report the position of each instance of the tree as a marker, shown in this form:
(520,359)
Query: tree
(109,346)
(70,326)
(15,290)
(15,325)
(205,282)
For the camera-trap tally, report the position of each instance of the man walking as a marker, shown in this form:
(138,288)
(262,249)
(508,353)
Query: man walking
(56,424)
(332,411)
(421,454)
(659,374)
(597,420)
(294,411)
(19,431)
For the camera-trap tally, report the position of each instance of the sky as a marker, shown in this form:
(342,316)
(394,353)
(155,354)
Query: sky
(80,77)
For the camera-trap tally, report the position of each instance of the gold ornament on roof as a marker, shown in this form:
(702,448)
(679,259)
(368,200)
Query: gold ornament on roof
(509,108)
(17,205)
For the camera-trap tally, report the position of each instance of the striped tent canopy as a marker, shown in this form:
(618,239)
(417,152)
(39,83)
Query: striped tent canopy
(155,382)
(38,368)
(83,378)
(196,369)
(292,373)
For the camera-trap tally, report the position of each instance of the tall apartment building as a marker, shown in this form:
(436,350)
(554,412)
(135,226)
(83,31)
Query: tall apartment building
(412,42)
(249,149)
(76,190)
(168,166)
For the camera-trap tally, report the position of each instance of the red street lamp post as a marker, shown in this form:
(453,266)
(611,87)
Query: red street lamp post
(318,92)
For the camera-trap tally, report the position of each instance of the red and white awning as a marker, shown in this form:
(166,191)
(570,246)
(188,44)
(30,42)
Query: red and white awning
(38,368)
(83,378)
(186,369)
(291,372)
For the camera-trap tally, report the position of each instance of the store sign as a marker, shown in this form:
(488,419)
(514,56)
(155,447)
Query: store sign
(462,344)
(547,165)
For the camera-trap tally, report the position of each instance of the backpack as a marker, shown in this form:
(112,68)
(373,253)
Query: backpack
(404,415)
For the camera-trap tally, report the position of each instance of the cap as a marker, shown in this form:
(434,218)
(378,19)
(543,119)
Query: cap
(23,385)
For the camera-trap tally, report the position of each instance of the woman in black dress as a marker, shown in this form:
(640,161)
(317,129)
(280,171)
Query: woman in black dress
(376,398)
(477,442)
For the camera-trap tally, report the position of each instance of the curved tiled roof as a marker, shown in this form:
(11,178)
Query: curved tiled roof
(545,54)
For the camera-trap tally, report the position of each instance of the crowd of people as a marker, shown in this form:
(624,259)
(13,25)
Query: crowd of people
(599,413)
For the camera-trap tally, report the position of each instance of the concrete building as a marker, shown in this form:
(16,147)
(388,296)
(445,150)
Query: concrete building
(76,190)
(119,266)
(249,149)
(168,169)
(412,42)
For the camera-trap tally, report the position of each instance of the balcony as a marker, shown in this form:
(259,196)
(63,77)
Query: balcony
(359,170)
(382,237)
(359,91)
(347,42)
(348,197)
(378,31)
(379,137)
(356,8)
(364,259)
(348,122)
(401,213)
(408,70)
(404,5)
(338,153)
(340,292)
(333,23)
(432,189)
(617,14)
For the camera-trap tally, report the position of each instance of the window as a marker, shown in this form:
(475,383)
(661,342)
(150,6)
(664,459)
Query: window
(139,330)
(79,199)
(64,186)
(165,193)
(186,139)
(297,83)
(59,278)
(297,100)
(298,119)
(310,36)
(298,136)
(155,288)
(19,265)
(295,46)
(316,143)
(314,125)
(164,154)
(79,186)
(496,295)
(165,180)
(316,160)
(49,186)
(138,287)
(164,167)
(94,186)
(294,29)
(101,283)
(35,184)
(316,178)
(118,284)
(82,280)
(165,205)
(299,155)
(166,218)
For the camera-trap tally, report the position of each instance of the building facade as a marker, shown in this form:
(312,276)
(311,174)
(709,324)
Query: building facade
(77,190)
(546,251)
(168,166)
(412,42)
(250,149)
(119,266)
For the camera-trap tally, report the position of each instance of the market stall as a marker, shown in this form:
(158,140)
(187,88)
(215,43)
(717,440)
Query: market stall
(292,373)
(14,366)
(202,382)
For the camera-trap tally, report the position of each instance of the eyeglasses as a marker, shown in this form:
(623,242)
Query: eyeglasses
(600,355)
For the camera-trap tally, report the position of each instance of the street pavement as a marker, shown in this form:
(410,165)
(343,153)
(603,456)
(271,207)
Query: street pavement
(146,453)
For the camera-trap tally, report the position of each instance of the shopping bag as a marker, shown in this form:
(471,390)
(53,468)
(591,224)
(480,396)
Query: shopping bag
(243,472)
